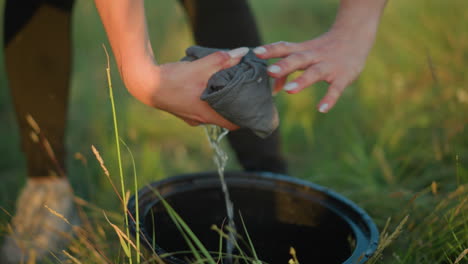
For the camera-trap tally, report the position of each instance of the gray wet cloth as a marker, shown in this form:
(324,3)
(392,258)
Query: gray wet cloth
(241,94)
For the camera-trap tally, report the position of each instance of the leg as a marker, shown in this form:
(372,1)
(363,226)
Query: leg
(37,53)
(230,24)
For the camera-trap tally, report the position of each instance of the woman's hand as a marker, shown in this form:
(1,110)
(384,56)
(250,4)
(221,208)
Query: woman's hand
(333,58)
(336,57)
(173,87)
(176,87)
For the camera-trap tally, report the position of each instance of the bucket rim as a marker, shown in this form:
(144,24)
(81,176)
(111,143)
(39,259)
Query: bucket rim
(366,240)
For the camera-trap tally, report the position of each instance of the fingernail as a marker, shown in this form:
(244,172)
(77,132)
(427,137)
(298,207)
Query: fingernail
(286,43)
(239,52)
(290,86)
(274,69)
(259,50)
(323,108)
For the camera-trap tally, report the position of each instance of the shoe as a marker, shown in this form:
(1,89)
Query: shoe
(43,223)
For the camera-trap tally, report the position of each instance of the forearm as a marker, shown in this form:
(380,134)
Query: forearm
(125,25)
(359,17)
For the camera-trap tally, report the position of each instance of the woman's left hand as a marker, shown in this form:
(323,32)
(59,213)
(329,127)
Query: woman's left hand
(336,57)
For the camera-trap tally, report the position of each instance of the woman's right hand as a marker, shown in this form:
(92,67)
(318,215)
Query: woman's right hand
(173,87)
(176,87)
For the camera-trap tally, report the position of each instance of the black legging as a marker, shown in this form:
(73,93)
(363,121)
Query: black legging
(37,45)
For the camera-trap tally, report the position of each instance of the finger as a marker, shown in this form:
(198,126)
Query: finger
(226,124)
(310,76)
(278,85)
(331,97)
(212,117)
(295,61)
(277,50)
(222,122)
(220,60)
(191,122)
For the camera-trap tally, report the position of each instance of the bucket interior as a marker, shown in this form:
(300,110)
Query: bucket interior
(277,216)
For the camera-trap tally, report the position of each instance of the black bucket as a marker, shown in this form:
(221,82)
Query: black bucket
(279,212)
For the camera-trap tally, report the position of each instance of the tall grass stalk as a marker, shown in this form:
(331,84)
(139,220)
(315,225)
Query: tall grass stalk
(386,239)
(199,251)
(117,144)
(249,239)
(228,234)
(137,211)
(191,239)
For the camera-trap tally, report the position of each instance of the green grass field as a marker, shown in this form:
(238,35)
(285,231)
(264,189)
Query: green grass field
(396,143)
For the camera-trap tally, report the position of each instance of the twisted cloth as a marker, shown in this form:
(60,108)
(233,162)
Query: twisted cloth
(241,94)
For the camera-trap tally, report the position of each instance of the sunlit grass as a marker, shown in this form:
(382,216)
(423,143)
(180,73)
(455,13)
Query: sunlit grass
(398,129)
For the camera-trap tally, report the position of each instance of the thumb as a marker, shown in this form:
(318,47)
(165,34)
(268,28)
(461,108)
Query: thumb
(220,60)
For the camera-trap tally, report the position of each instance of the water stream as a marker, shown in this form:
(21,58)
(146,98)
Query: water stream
(215,134)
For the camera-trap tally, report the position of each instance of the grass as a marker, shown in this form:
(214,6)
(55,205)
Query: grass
(396,144)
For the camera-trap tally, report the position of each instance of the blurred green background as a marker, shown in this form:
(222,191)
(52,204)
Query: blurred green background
(398,130)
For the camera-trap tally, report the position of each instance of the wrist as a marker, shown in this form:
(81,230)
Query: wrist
(141,78)
(364,27)
(359,18)
(359,33)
